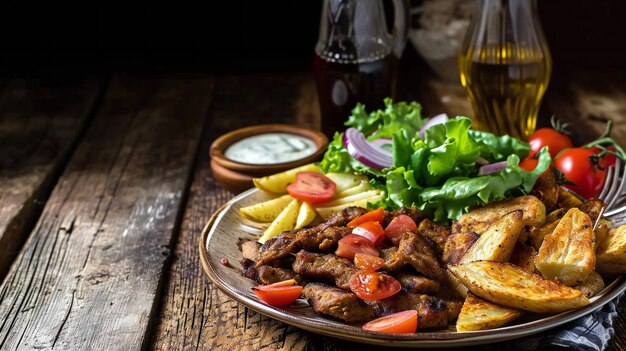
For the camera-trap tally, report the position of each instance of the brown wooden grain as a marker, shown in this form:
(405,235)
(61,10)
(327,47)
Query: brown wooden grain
(40,121)
(88,277)
(194,314)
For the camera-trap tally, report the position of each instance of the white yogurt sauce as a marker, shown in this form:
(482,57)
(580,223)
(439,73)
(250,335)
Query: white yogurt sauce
(270,148)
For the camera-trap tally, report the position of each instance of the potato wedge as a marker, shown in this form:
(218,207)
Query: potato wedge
(277,183)
(611,255)
(546,189)
(326,212)
(286,220)
(497,242)
(456,246)
(567,254)
(537,234)
(508,285)
(593,285)
(457,285)
(478,314)
(345,181)
(364,186)
(479,220)
(266,211)
(349,199)
(592,208)
(306,215)
(524,257)
(567,199)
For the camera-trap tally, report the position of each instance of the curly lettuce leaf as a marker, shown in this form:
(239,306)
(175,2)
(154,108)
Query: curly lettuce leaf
(496,148)
(338,159)
(451,144)
(387,122)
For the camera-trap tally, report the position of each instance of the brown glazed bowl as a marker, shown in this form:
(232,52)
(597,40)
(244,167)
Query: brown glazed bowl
(237,176)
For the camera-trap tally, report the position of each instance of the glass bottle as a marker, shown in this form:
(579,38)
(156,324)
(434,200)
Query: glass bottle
(505,66)
(356,57)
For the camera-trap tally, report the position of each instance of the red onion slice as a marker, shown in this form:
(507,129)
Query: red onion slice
(492,168)
(381,143)
(438,119)
(364,152)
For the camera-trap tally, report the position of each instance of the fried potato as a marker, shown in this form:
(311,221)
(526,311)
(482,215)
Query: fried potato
(611,254)
(593,285)
(508,285)
(267,211)
(349,199)
(326,212)
(592,208)
(497,242)
(306,215)
(567,199)
(286,220)
(524,257)
(479,220)
(567,254)
(344,181)
(537,234)
(456,284)
(546,189)
(478,314)
(277,183)
(457,245)
(364,186)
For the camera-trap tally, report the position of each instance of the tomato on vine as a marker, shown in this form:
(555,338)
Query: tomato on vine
(555,138)
(584,171)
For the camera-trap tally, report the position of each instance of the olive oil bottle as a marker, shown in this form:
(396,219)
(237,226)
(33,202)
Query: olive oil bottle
(505,66)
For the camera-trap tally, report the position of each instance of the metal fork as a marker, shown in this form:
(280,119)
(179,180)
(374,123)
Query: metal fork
(614,193)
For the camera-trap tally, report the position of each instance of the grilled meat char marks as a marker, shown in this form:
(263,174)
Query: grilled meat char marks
(414,283)
(415,251)
(267,274)
(329,268)
(341,304)
(323,237)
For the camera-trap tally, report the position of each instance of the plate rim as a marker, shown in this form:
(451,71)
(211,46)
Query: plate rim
(351,333)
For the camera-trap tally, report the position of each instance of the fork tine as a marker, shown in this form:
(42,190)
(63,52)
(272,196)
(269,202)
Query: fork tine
(614,184)
(618,171)
(607,185)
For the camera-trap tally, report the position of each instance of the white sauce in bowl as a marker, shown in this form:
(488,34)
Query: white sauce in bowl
(270,148)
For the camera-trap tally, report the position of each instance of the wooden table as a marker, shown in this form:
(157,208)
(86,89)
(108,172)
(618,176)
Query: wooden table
(105,187)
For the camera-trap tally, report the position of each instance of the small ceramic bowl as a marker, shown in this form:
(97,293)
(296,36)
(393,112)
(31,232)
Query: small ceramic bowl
(237,176)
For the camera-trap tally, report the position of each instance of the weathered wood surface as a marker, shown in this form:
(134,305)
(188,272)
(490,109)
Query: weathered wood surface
(194,314)
(88,277)
(40,121)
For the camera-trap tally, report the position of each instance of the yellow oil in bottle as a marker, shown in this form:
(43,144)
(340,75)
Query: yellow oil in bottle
(505,84)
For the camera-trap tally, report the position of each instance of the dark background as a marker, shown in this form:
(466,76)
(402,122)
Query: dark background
(244,36)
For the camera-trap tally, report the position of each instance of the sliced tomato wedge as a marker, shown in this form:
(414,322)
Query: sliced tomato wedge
(372,216)
(312,187)
(404,322)
(278,294)
(370,230)
(373,285)
(399,226)
(368,262)
(352,244)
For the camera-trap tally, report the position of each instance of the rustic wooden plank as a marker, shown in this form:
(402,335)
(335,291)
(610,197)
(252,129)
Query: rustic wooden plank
(194,314)
(40,122)
(89,276)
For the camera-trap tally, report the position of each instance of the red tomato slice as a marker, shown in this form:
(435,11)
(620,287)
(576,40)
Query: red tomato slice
(352,244)
(312,187)
(368,262)
(278,294)
(404,322)
(372,216)
(399,226)
(373,285)
(371,230)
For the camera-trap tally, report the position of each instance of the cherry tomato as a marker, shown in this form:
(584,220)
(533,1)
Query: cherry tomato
(312,187)
(352,244)
(399,226)
(368,262)
(578,168)
(371,230)
(530,163)
(372,216)
(373,285)
(608,158)
(404,322)
(550,137)
(278,294)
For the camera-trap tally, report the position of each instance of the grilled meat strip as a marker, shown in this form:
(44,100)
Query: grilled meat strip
(414,213)
(412,282)
(337,303)
(323,237)
(250,250)
(267,274)
(434,234)
(329,268)
(431,311)
(413,250)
